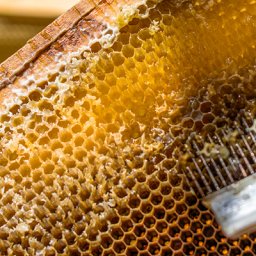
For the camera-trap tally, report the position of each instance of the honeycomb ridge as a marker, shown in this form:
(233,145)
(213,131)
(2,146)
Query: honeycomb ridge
(91,155)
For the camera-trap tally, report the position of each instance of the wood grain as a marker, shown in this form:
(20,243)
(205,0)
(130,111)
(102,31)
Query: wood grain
(20,61)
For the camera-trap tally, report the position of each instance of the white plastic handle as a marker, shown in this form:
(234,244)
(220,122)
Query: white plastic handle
(235,207)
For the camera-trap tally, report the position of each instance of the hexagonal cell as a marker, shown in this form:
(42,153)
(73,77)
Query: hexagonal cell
(220,237)
(196,115)
(139,230)
(198,240)
(153,183)
(104,226)
(196,227)
(206,218)
(156,199)
(188,122)
(96,250)
(70,238)
(186,236)
(106,241)
(149,221)
(223,249)
(142,244)
(49,252)
(208,118)
(130,239)
(193,214)
(208,231)
(232,242)
(127,225)
(119,247)
(201,252)
(181,209)
(35,95)
(134,202)
(137,216)
(161,226)
(60,246)
(166,189)
(74,251)
(92,234)
(141,177)
(174,231)
(164,240)
(116,233)
(83,244)
(123,211)
(154,249)
(109,252)
(146,207)
(159,213)
(143,192)
(128,51)
(151,235)
(245,244)
(184,222)
(168,204)
(171,218)
(175,180)
(198,126)
(162,175)
(167,252)
(178,194)
(226,89)
(211,244)
(235,251)
(132,251)
(189,249)
(176,244)
(206,107)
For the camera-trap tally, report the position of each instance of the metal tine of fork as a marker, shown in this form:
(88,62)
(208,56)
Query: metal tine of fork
(238,162)
(234,155)
(195,182)
(216,167)
(222,162)
(236,158)
(218,172)
(245,159)
(249,149)
(202,176)
(235,169)
(225,168)
(248,130)
(207,167)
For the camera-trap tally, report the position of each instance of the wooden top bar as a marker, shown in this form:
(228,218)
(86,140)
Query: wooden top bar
(21,60)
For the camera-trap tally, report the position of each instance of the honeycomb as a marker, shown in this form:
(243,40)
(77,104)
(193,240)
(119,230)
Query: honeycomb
(91,154)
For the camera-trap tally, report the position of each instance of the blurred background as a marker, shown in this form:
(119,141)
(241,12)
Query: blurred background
(20,20)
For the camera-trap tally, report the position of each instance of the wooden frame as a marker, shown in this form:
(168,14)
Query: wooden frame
(20,61)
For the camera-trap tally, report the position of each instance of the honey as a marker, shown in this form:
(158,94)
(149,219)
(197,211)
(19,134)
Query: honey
(90,155)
